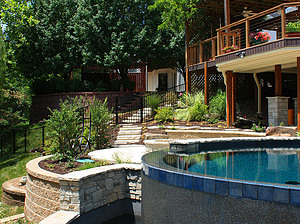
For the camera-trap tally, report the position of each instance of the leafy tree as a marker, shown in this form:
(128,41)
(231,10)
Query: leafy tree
(2,66)
(175,12)
(112,34)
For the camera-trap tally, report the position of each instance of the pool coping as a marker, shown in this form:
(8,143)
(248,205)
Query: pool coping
(226,186)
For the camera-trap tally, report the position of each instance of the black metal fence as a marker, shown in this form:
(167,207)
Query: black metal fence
(139,107)
(22,140)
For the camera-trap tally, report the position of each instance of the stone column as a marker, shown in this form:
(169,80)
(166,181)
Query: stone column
(278,110)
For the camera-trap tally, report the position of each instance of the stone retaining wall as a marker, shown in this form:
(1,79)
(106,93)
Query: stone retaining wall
(83,191)
(42,194)
(80,191)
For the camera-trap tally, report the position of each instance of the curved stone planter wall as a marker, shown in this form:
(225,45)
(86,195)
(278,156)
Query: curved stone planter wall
(43,191)
(81,192)
(13,195)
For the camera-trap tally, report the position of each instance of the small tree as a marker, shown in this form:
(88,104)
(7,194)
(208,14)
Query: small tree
(64,125)
(101,117)
(2,66)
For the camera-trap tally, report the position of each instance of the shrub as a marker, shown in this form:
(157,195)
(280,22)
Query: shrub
(190,99)
(197,112)
(101,117)
(153,101)
(258,128)
(217,105)
(64,126)
(164,114)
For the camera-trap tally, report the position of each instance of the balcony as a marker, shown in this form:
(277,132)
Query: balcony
(259,42)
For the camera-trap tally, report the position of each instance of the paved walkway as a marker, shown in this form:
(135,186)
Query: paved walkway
(126,148)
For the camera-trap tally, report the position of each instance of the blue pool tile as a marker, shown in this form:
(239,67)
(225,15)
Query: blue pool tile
(265,193)
(197,183)
(209,185)
(295,196)
(169,178)
(187,182)
(236,189)
(281,195)
(178,180)
(222,187)
(162,176)
(250,191)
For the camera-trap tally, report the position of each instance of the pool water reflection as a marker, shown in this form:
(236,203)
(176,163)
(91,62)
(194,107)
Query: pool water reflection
(280,166)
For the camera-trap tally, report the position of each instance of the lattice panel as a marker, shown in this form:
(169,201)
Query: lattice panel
(197,81)
(216,82)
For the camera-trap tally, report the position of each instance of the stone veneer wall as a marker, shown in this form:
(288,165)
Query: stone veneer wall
(80,191)
(278,110)
(83,191)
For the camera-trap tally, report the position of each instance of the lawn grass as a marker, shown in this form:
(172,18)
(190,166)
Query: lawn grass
(13,165)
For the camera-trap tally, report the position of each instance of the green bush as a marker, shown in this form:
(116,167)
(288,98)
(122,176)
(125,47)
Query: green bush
(190,99)
(164,114)
(64,126)
(101,117)
(217,105)
(153,101)
(197,112)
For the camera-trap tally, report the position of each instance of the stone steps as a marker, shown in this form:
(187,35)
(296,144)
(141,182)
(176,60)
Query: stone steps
(128,137)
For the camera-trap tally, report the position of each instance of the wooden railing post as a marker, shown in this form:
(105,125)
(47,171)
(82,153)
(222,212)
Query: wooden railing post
(213,48)
(283,21)
(247,33)
(200,53)
(218,43)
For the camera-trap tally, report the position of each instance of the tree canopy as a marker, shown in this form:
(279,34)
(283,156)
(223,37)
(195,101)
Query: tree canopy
(111,34)
(175,12)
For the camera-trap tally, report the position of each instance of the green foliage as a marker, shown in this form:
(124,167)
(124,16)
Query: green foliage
(164,114)
(86,166)
(101,117)
(193,106)
(197,112)
(175,13)
(292,27)
(217,105)
(13,166)
(153,101)
(64,126)
(170,98)
(2,65)
(258,127)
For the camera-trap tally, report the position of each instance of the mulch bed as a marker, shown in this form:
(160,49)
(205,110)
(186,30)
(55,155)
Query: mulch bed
(58,167)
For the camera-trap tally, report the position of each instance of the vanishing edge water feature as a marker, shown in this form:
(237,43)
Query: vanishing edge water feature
(178,195)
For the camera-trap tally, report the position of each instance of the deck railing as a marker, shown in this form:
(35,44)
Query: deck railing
(260,28)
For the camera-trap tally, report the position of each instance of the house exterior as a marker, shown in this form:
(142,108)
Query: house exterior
(255,53)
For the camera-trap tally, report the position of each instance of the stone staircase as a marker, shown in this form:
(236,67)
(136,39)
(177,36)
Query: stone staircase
(129,134)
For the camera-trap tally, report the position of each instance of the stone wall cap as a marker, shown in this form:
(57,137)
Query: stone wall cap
(62,217)
(83,174)
(33,169)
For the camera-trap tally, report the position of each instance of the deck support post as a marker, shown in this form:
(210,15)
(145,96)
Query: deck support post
(187,83)
(258,93)
(233,95)
(298,93)
(278,80)
(206,85)
(229,98)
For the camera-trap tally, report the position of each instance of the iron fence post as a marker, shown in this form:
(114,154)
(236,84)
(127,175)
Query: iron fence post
(116,109)
(43,136)
(141,108)
(25,139)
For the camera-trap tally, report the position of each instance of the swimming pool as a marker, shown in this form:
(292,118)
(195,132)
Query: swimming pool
(223,181)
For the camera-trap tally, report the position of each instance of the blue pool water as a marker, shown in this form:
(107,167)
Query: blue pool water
(279,166)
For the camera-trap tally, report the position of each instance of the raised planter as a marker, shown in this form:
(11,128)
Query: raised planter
(103,191)
(13,194)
